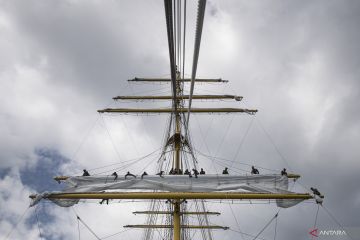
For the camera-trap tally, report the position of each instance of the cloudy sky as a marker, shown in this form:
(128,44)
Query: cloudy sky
(297,62)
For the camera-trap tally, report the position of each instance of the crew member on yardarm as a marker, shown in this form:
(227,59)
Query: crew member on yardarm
(254,170)
(315,191)
(86,173)
(202,172)
(196,172)
(128,174)
(115,175)
(102,201)
(144,174)
(225,171)
(160,173)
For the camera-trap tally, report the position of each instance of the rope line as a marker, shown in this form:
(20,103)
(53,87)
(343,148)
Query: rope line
(198,33)
(316,216)
(170,36)
(184,38)
(79,219)
(275,231)
(263,229)
(37,220)
(111,140)
(112,235)
(237,223)
(246,234)
(16,224)
(78,225)
(242,140)
(90,230)
(275,146)
(336,221)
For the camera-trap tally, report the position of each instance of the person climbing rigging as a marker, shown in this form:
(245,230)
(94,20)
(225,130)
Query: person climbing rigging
(115,175)
(254,170)
(283,172)
(144,174)
(315,191)
(160,173)
(196,172)
(129,175)
(225,171)
(86,173)
(202,172)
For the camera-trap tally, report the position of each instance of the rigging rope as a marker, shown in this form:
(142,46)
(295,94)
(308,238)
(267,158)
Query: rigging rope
(336,221)
(79,219)
(184,35)
(207,148)
(78,225)
(224,136)
(87,227)
(238,225)
(273,143)
(276,215)
(170,35)
(276,222)
(199,27)
(37,220)
(242,141)
(246,234)
(316,216)
(111,140)
(130,160)
(16,224)
(115,234)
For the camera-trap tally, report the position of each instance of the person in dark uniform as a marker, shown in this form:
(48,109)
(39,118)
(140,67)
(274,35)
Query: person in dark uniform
(86,173)
(225,171)
(315,191)
(186,172)
(283,172)
(115,175)
(129,175)
(254,170)
(196,172)
(202,172)
(144,174)
(160,173)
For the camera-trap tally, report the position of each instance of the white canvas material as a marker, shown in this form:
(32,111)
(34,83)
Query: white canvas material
(271,183)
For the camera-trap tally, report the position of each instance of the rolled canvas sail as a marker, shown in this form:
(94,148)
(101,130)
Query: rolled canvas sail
(180,183)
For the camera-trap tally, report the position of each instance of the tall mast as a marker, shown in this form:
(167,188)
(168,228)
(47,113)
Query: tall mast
(179,139)
(177,156)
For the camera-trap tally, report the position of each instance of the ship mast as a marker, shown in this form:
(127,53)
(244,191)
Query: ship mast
(178,139)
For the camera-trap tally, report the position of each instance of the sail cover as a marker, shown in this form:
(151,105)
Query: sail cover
(271,183)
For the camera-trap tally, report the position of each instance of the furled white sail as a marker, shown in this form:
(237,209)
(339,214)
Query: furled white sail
(178,183)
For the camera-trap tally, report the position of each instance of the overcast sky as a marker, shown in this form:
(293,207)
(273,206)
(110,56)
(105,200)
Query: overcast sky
(297,62)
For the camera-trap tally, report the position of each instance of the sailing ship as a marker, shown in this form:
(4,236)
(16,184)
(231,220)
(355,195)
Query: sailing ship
(178,182)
